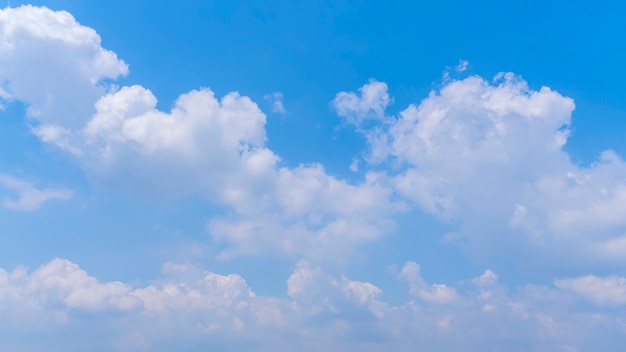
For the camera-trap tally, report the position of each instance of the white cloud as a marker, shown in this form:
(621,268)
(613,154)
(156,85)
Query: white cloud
(62,281)
(435,293)
(354,165)
(488,156)
(53,64)
(471,124)
(371,102)
(608,290)
(488,278)
(206,310)
(62,284)
(186,302)
(309,213)
(363,292)
(201,291)
(276,100)
(28,197)
(55,134)
(462,66)
(319,291)
(216,148)
(204,145)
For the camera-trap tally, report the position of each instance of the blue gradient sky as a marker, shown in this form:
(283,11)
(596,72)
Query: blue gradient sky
(358,222)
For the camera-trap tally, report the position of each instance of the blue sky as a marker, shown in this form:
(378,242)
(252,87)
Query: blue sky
(346,175)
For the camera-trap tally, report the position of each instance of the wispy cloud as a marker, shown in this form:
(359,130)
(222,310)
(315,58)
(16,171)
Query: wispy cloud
(276,100)
(27,196)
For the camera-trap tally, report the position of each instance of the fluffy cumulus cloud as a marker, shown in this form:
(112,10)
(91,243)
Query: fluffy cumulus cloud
(203,291)
(307,212)
(61,286)
(216,148)
(53,64)
(204,145)
(488,156)
(61,282)
(189,305)
(198,146)
(28,197)
(370,102)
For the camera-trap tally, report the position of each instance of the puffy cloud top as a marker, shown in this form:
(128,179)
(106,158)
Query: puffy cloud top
(489,156)
(53,63)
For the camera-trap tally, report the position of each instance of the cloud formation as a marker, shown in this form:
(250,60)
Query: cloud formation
(53,64)
(276,100)
(28,197)
(605,291)
(484,156)
(215,148)
(489,157)
(436,293)
(320,311)
(370,102)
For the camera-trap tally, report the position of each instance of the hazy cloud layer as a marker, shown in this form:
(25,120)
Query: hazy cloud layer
(320,311)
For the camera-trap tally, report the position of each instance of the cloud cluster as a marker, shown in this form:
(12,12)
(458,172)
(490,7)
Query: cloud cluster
(202,291)
(320,311)
(485,156)
(216,148)
(204,145)
(489,157)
